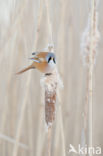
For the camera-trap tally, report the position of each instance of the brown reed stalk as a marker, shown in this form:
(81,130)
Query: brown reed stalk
(49,141)
(50,86)
(89,45)
(50,83)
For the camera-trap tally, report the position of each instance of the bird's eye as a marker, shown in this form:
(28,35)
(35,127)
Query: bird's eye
(33,53)
(54,60)
(49,59)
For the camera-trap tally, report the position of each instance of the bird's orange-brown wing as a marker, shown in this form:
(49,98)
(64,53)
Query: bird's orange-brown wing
(39,62)
(42,66)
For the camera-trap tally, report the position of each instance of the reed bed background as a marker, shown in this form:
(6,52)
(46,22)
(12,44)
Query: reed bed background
(27,26)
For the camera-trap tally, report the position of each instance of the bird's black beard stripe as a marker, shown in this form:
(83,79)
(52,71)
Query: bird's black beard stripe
(48,74)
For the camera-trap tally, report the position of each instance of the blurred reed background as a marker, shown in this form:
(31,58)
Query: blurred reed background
(22,125)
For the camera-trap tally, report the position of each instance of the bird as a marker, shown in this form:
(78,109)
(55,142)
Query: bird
(45,62)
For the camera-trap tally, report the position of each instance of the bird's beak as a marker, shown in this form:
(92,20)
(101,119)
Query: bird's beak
(31,58)
(35,60)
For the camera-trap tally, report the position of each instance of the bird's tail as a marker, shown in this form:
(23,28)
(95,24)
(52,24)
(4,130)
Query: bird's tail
(25,69)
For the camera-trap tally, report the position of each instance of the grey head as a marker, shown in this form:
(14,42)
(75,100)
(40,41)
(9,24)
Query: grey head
(51,56)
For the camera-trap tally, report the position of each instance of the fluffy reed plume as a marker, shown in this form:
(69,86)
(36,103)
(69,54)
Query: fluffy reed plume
(89,51)
(50,85)
(90,36)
